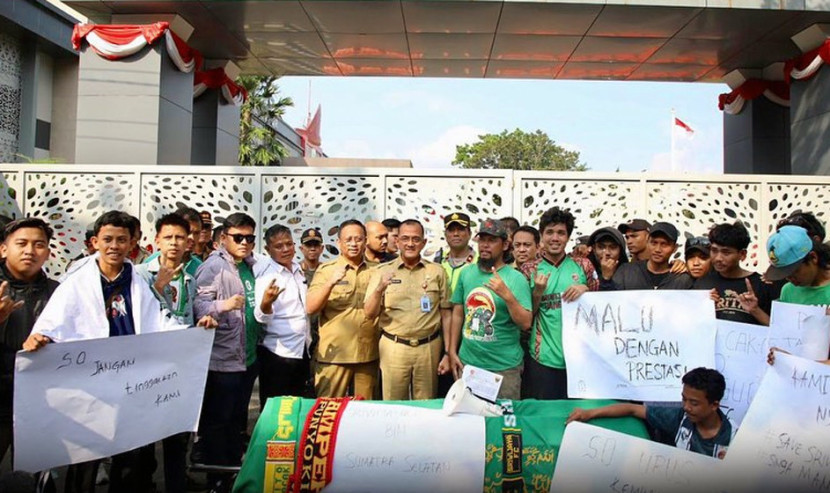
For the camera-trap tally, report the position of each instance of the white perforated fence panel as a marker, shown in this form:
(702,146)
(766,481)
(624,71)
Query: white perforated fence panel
(695,207)
(71,197)
(70,202)
(428,199)
(318,201)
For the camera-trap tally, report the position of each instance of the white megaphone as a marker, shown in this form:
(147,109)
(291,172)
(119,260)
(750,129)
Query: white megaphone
(461,400)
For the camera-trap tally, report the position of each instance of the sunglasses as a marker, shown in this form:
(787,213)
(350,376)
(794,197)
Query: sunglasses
(237,238)
(698,242)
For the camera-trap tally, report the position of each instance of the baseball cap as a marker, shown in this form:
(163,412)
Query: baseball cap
(492,227)
(457,217)
(634,225)
(607,232)
(583,240)
(786,248)
(699,243)
(666,229)
(311,235)
(206,218)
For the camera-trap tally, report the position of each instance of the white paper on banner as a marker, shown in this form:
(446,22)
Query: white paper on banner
(596,459)
(802,330)
(636,344)
(741,356)
(784,441)
(414,449)
(483,383)
(84,400)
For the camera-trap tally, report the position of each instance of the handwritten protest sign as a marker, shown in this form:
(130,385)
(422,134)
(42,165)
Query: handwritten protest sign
(784,441)
(636,344)
(407,449)
(801,330)
(741,356)
(597,459)
(79,401)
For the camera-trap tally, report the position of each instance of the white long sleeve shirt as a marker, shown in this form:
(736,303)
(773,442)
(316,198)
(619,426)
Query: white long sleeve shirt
(287,329)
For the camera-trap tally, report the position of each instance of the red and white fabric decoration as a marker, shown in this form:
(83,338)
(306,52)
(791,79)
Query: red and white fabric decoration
(807,65)
(776,91)
(114,42)
(310,135)
(218,79)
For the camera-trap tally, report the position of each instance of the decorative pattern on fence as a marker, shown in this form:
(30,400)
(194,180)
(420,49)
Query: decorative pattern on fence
(70,197)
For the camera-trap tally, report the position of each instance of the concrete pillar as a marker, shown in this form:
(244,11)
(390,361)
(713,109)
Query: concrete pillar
(757,140)
(810,127)
(215,138)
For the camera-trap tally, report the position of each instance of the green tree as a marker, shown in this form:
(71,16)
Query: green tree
(517,150)
(258,143)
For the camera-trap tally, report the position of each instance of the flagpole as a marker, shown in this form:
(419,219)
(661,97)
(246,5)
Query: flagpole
(672,158)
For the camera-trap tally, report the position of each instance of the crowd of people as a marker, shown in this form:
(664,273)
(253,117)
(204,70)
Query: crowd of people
(379,321)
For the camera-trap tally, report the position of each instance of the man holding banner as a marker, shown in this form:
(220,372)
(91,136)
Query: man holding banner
(699,426)
(104,299)
(492,304)
(558,278)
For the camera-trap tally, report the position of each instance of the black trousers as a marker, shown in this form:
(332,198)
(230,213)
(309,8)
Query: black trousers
(544,382)
(279,376)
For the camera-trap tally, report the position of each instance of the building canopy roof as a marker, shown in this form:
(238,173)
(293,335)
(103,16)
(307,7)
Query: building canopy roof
(644,40)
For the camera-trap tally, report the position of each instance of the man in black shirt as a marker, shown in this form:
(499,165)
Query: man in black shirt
(654,273)
(740,295)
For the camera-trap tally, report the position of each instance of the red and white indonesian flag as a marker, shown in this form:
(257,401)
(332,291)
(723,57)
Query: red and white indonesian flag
(682,128)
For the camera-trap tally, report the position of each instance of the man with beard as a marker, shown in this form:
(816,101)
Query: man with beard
(559,278)
(411,297)
(377,239)
(348,350)
(492,304)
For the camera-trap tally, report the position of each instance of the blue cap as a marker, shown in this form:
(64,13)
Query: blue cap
(786,248)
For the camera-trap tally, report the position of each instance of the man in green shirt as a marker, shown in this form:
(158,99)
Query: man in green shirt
(492,304)
(559,277)
(802,261)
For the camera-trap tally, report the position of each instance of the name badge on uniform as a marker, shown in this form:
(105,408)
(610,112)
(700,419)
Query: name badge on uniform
(395,281)
(342,283)
(426,304)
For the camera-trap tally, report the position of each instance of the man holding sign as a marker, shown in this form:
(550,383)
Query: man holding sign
(699,426)
(558,278)
(492,304)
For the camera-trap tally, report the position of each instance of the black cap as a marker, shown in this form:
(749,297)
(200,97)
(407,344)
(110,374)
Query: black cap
(667,229)
(699,243)
(607,232)
(634,225)
(583,240)
(458,218)
(311,235)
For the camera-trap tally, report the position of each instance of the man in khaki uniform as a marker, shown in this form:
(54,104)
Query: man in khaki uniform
(411,297)
(348,349)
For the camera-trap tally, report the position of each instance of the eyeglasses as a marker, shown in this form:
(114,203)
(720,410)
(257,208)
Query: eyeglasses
(699,241)
(237,238)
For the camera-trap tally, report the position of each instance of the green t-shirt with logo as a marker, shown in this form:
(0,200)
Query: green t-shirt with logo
(546,332)
(491,338)
(806,295)
(252,327)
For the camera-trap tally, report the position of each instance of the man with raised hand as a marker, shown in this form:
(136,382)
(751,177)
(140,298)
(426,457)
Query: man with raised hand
(410,296)
(559,278)
(280,306)
(24,292)
(347,354)
(491,305)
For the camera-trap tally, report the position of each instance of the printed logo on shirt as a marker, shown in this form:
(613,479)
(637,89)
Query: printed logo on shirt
(551,301)
(118,307)
(480,312)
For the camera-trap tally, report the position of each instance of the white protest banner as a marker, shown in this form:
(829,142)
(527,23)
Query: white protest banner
(636,344)
(596,459)
(802,330)
(741,356)
(385,447)
(784,441)
(79,401)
